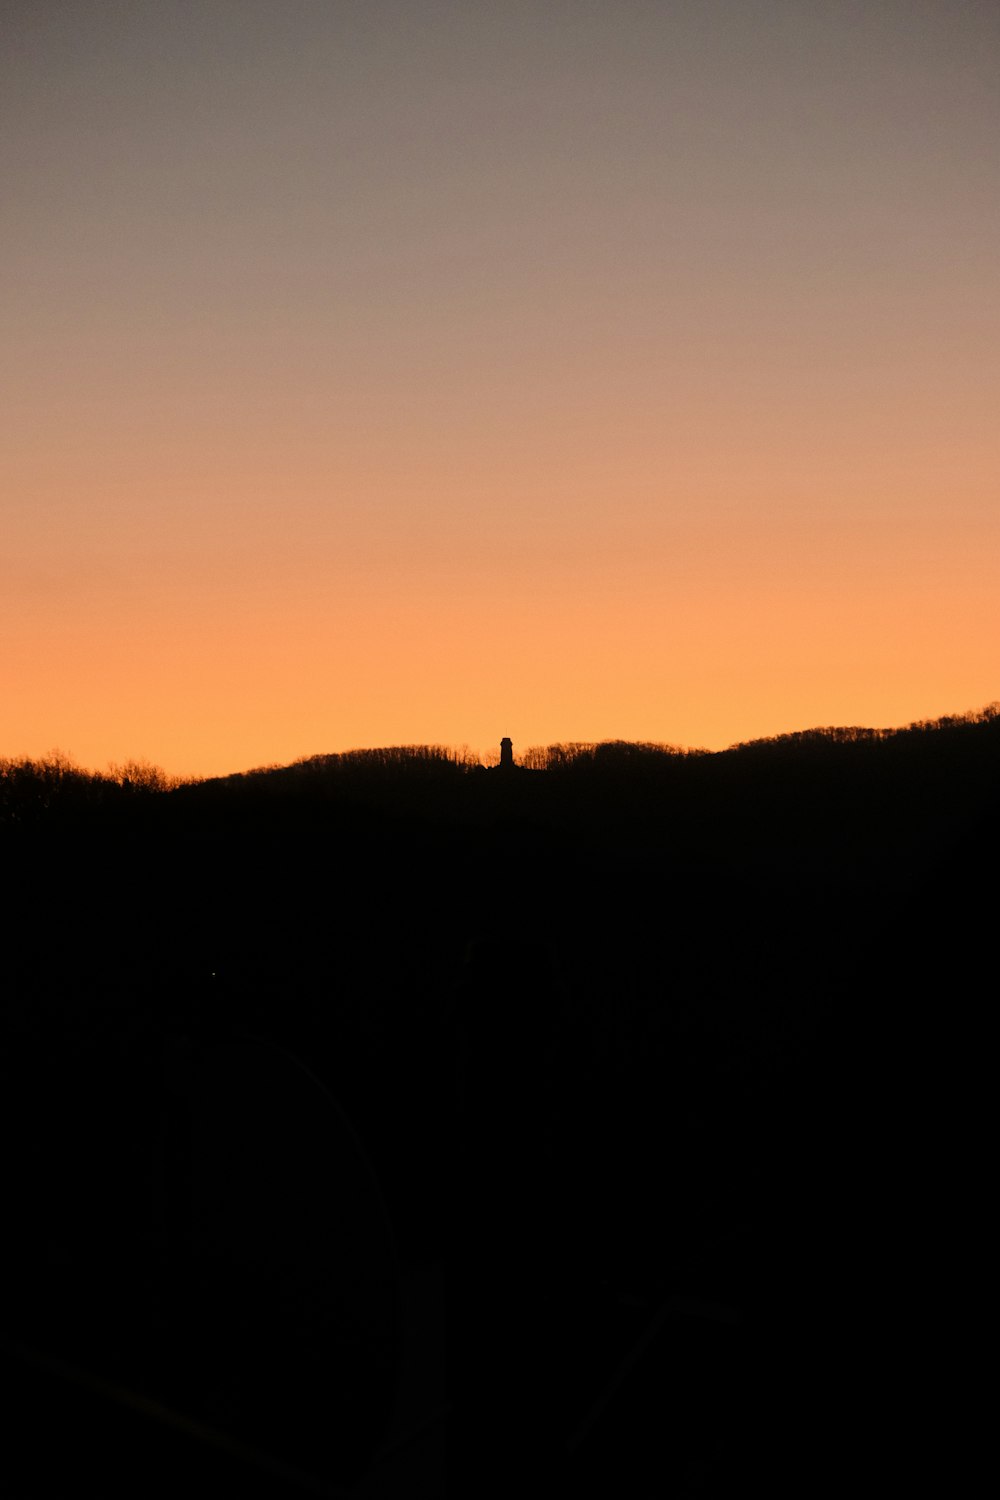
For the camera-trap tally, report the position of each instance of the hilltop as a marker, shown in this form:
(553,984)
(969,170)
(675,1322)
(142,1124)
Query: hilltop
(841,853)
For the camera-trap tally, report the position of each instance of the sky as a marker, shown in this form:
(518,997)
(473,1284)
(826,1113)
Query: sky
(421,372)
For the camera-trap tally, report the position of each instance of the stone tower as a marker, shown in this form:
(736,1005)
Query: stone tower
(506,755)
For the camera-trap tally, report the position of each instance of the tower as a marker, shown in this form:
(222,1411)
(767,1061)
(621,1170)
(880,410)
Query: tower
(506,754)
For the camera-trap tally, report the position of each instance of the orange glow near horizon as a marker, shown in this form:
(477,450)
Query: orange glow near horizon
(424,378)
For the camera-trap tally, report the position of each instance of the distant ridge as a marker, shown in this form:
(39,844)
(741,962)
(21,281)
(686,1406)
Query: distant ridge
(56,770)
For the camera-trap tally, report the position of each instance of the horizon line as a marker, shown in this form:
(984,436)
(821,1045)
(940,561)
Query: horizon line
(140,767)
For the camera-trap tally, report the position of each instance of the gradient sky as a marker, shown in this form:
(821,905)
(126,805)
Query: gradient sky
(411,371)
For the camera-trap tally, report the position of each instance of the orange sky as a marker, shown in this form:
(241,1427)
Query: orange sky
(399,374)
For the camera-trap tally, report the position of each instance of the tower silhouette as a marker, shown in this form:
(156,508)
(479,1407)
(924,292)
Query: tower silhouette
(506,754)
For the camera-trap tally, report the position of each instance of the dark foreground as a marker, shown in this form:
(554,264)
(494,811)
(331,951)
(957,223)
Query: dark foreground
(465,1141)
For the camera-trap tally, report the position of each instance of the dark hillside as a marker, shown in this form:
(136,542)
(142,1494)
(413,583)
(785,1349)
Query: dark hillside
(627,1030)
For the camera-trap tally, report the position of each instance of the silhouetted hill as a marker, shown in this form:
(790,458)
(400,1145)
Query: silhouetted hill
(703,1026)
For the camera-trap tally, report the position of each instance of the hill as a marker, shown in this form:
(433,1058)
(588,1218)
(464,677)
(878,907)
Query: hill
(722,1011)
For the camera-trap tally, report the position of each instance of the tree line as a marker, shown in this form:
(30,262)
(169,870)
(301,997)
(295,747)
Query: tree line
(956,750)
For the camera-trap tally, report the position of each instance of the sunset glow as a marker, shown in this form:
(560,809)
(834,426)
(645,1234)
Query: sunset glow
(384,373)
